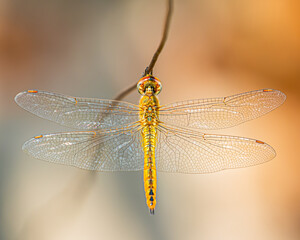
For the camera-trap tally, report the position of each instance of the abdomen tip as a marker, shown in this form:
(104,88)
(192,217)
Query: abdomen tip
(151,211)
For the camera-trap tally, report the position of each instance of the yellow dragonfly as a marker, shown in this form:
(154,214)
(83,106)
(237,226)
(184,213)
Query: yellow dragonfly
(120,136)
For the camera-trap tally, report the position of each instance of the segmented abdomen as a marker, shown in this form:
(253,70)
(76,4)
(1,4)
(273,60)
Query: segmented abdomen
(149,143)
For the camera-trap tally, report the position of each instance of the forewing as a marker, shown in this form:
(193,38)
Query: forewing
(185,151)
(116,150)
(216,113)
(79,113)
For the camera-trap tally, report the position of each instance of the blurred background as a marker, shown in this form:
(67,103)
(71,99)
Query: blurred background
(97,49)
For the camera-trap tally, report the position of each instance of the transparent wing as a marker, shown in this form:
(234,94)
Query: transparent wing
(216,113)
(80,113)
(115,150)
(184,151)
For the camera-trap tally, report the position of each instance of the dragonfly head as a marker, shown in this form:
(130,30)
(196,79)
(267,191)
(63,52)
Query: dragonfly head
(149,85)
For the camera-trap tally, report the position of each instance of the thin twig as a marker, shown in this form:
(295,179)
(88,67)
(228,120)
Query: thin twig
(149,69)
(125,92)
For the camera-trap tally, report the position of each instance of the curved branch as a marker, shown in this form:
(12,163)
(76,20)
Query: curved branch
(149,69)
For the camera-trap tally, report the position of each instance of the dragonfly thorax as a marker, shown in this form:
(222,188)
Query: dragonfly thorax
(149,106)
(149,87)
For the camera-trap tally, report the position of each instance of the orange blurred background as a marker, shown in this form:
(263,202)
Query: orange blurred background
(98,48)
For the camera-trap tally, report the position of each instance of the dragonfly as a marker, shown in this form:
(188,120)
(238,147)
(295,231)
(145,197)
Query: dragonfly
(149,137)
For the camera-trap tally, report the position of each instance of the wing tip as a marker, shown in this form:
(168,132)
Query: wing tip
(25,145)
(271,150)
(30,141)
(282,95)
(19,96)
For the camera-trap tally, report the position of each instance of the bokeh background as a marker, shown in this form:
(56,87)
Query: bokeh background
(98,48)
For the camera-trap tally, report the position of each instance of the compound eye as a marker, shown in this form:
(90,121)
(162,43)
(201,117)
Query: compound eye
(141,87)
(157,88)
